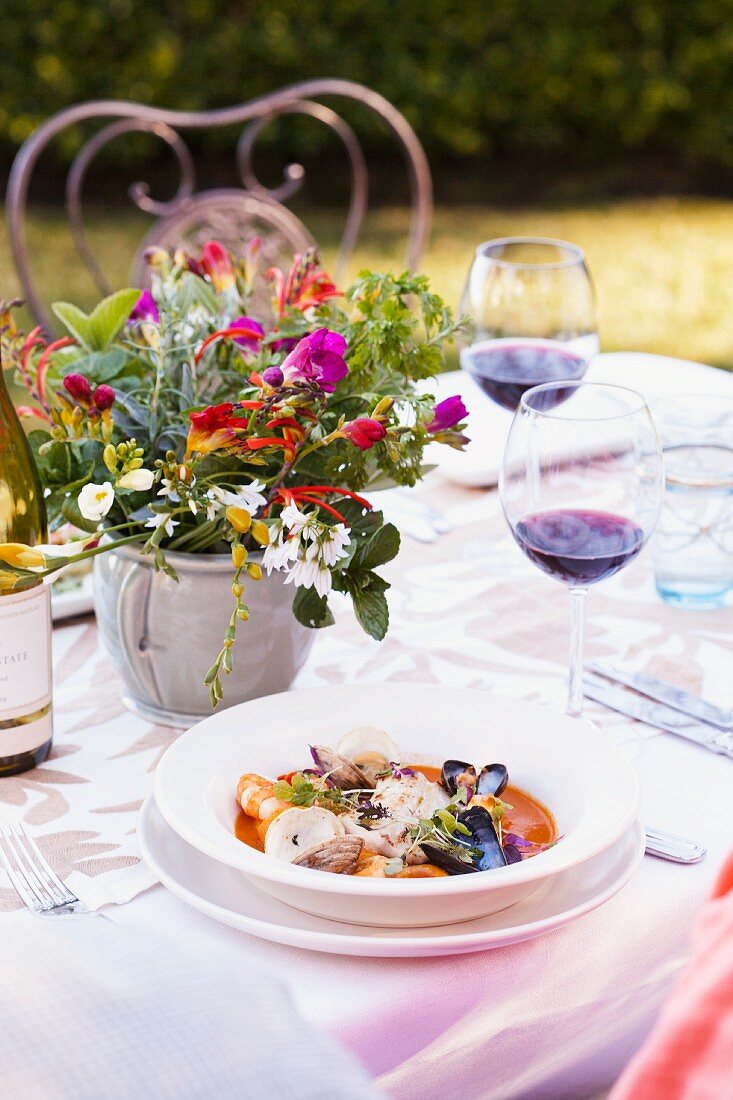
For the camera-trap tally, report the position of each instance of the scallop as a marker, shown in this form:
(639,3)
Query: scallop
(294,831)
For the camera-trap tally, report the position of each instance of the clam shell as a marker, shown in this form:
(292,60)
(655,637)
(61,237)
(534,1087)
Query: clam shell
(338,855)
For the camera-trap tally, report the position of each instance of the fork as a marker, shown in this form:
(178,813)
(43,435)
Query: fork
(33,879)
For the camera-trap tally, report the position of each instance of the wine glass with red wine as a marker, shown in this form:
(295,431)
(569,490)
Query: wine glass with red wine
(531,316)
(581,486)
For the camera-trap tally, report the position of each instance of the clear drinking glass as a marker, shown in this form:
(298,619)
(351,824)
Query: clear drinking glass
(531,316)
(581,486)
(693,543)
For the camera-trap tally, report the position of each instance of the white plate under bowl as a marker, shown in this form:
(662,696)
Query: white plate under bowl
(587,784)
(228,897)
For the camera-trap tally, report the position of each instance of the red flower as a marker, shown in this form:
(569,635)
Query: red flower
(103,398)
(79,388)
(364,432)
(217,263)
(213,428)
(304,287)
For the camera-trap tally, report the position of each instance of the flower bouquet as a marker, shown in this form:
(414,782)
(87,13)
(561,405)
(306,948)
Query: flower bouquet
(239,410)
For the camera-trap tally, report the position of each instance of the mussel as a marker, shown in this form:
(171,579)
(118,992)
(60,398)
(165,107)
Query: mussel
(439,857)
(457,773)
(492,779)
(483,837)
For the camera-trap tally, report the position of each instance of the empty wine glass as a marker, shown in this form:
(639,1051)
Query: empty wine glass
(581,487)
(531,313)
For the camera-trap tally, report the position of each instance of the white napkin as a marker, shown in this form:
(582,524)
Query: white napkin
(92,1010)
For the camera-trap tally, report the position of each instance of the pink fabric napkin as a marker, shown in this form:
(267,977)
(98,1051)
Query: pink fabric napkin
(689,1054)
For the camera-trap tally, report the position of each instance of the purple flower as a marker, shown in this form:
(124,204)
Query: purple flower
(248,342)
(273,376)
(318,358)
(144,310)
(447,414)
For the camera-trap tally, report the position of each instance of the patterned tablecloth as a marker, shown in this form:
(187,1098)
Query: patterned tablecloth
(466,610)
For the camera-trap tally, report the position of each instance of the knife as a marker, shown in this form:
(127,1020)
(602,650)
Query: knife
(656,714)
(672,696)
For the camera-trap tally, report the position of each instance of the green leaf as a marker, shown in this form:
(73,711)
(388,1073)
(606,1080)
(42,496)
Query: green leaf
(312,610)
(106,366)
(75,321)
(370,604)
(193,292)
(381,547)
(109,315)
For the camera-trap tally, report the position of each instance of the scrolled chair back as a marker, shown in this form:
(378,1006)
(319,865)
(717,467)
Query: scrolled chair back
(231,215)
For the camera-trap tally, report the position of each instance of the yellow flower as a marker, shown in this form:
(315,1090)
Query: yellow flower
(254,571)
(239,556)
(240,519)
(260,532)
(25,557)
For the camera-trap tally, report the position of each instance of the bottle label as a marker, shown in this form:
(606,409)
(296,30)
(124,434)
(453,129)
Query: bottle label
(25,653)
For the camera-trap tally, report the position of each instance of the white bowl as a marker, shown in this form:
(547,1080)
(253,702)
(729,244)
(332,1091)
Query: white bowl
(590,788)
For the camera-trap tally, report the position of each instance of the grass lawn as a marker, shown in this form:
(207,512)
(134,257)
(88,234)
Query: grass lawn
(663,268)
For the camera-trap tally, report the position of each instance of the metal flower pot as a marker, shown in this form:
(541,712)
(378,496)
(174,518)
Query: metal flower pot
(163,635)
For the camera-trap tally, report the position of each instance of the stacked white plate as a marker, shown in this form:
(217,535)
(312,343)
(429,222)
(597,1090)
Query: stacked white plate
(187,829)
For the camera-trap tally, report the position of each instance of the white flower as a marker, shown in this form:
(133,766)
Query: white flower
(212,507)
(164,520)
(279,552)
(249,497)
(96,500)
(334,543)
(310,574)
(168,488)
(294,519)
(138,480)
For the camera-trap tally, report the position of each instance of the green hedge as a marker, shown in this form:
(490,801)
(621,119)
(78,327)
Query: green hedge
(591,78)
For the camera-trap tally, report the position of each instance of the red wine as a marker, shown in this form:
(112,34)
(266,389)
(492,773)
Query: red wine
(579,546)
(505,369)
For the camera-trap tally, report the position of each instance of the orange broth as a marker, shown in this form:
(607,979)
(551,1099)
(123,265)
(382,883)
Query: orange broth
(527,818)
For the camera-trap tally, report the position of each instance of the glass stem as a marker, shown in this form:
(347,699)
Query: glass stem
(575,680)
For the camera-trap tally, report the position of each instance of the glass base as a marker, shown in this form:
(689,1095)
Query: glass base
(696,597)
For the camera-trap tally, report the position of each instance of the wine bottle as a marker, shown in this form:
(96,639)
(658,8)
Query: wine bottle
(26,716)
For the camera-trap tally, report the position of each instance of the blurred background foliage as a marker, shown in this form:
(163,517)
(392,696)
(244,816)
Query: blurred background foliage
(607,122)
(588,82)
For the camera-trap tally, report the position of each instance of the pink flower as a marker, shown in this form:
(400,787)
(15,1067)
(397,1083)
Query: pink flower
(364,432)
(447,414)
(217,263)
(319,359)
(145,309)
(248,342)
(78,387)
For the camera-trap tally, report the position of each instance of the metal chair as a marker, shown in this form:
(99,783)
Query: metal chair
(231,215)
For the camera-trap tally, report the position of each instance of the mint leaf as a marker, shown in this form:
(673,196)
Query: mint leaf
(381,547)
(108,317)
(370,605)
(311,610)
(77,323)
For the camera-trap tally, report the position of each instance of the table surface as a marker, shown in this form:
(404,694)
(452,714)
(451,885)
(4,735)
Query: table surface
(557,1016)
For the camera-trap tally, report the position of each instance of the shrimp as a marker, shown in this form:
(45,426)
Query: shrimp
(255,795)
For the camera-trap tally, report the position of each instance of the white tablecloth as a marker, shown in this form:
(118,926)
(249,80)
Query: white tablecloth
(555,1017)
